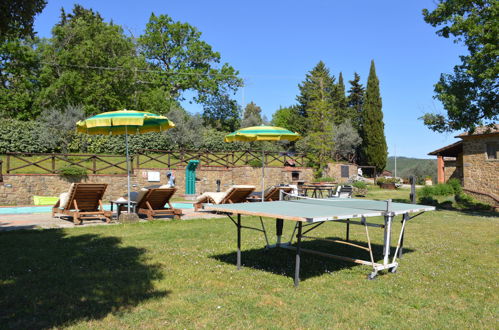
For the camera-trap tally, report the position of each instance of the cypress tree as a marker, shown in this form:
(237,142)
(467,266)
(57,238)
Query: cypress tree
(373,149)
(341,113)
(355,101)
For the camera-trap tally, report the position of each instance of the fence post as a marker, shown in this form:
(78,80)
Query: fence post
(94,164)
(1,177)
(8,164)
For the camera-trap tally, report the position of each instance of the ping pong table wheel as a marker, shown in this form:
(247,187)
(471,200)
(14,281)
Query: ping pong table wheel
(393,270)
(372,276)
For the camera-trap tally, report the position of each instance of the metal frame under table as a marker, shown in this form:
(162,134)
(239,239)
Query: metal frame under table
(340,211)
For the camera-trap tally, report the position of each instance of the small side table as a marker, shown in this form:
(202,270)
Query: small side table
(120,204)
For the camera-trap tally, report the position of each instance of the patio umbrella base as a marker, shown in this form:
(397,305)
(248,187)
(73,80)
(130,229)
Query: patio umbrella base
(128,218)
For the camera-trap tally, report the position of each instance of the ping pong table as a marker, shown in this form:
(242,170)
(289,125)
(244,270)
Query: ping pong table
(315,212)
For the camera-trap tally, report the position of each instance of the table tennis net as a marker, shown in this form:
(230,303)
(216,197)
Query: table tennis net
(350,203)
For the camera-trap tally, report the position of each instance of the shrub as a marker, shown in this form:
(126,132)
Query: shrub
(383,180)
(359,185)
(456,185)
(255,163)
(443,189)
(72,172)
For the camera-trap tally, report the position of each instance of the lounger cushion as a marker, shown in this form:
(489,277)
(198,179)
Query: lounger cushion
(217,197)
(64,197)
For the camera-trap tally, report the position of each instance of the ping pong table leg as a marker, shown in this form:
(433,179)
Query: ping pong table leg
(278,228)
(387,238)
(298,247)
(238,241)
(348,231)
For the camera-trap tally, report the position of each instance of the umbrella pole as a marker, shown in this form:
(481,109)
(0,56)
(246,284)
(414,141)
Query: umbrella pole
(263,173)
(127,168)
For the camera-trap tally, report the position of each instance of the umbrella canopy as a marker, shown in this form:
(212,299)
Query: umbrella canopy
(124,122)
(262,133)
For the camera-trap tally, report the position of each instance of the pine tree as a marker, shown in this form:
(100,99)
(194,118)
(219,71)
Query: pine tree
(373,148)
(355,101)
(318,85)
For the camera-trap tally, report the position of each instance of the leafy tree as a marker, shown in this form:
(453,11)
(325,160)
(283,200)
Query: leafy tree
(470,95)
(346,140)
(88,62)
(188,130)
(17,16)
(60,126)
(356,101)
(183,61)
(19,70)
(373,149)
(341,112)
(289,118)
(222,113)
(252,115)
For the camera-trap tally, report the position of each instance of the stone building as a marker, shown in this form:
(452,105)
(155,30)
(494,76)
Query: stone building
(475,161)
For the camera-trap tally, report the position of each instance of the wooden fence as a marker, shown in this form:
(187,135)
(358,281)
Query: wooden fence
(112,164)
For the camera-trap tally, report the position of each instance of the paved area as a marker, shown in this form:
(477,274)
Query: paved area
(45,220)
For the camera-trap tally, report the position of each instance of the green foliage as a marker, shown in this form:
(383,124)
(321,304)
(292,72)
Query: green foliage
(289,118)
(21,136)
(374,150)
(184,61)
(467,202)
(456,185)
(72,172)
(252,115)
(383,180)
(341,112)
(19,71)
(82,43)
(359,184)
(356,101)
(17,17)
(255,163)
(470,94)
(346,140)
(222,113)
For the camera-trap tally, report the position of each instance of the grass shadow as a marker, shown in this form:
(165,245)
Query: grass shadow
(282,261)
(49,279)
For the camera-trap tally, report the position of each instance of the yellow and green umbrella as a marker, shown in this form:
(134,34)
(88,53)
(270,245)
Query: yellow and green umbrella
(262,133)
(124,122)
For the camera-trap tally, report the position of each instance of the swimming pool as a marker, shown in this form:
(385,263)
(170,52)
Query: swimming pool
(47,209)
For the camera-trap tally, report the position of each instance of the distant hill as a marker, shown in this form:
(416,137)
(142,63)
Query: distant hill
(413,166)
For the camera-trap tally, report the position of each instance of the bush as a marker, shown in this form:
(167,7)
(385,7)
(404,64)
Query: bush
(72,172)
(359,185)
(255,163)
(443,189)
(456,185)
(383,180)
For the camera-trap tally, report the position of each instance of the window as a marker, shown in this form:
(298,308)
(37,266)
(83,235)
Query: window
(492,150)
(345,171)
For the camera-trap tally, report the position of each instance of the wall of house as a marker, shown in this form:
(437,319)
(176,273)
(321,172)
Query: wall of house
(480,174)
(19,189)
(454,168)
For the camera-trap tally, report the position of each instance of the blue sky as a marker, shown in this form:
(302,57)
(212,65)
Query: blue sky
(273,44)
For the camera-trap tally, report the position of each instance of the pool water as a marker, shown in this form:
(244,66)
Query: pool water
(47,209)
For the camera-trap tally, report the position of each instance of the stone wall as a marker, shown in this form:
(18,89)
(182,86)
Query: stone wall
(480,174)
(19,189)
(334,171)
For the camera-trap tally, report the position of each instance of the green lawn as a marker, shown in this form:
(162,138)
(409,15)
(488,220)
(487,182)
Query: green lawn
(182,274)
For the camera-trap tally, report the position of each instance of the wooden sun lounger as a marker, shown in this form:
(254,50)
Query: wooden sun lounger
(153,203)
(234,195)
(274,193)
(85,202)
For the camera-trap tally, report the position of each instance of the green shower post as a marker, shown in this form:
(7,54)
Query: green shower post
(190,177)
